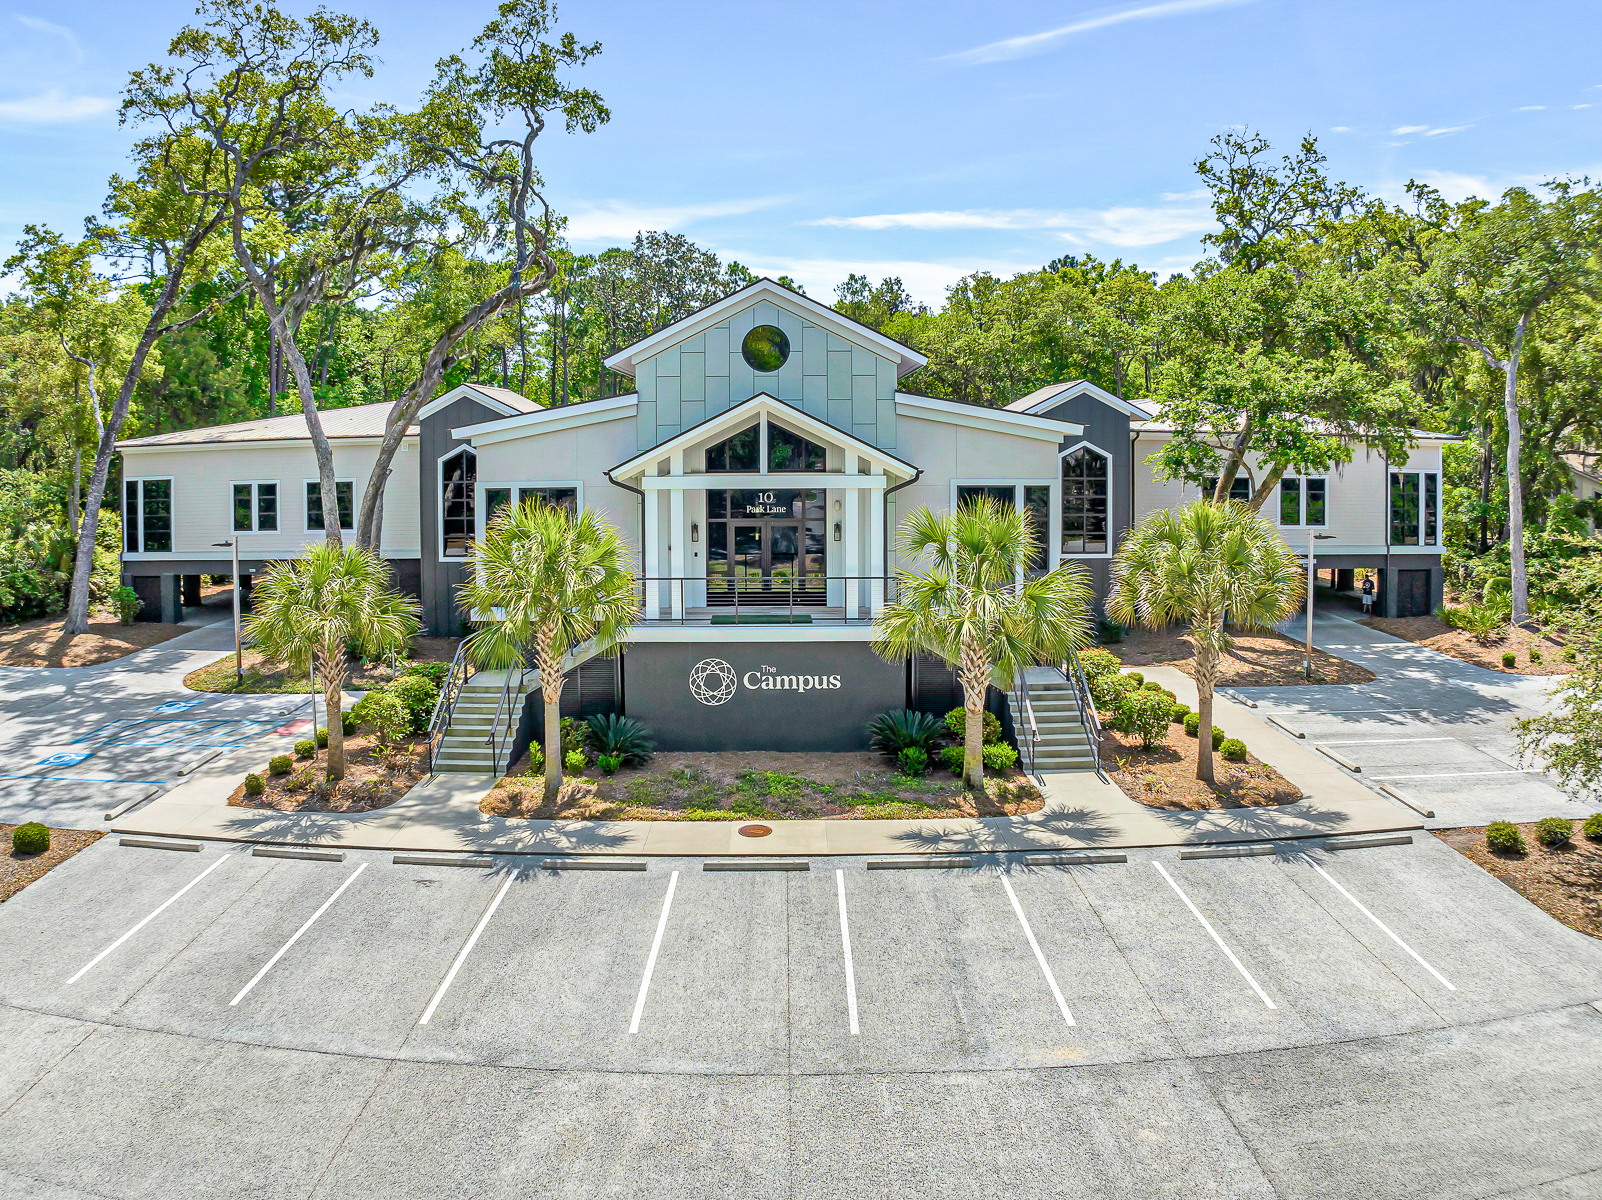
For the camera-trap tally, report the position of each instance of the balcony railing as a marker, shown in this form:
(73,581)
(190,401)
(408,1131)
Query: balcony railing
(765,599)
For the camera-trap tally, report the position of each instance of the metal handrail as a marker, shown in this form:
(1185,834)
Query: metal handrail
(439,721)
(1088,720)
(494,739)
(735,592)
(1026,715)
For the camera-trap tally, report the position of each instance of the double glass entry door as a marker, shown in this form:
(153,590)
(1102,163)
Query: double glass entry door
(771,560)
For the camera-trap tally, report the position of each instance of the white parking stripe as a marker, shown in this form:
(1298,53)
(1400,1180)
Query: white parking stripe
(468,948)
(1452,774)
(1213,933)
(284,949)
(1387,741)
(845,943)
(656,948)
(1386,928)
(1040,957)
(82,971)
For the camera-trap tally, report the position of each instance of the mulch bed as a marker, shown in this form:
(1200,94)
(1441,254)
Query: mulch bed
(1438,635)
(41,642)
(757,785)
(262,676)
(17,871)
(1265,659)
(1165,775)
(373,779)
(1565,883)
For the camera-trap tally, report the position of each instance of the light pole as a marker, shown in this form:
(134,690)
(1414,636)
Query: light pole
(1307,662)
(239,652)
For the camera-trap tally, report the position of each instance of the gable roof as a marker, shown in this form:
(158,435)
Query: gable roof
(503,401)
(735,418)
(546,420)
(906,358)
(1041,399)
(358,421)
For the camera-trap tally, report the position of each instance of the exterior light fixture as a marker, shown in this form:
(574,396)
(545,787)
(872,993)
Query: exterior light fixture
(695,532)
(837,528)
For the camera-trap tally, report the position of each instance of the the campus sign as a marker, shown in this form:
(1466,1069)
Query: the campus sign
(714,682)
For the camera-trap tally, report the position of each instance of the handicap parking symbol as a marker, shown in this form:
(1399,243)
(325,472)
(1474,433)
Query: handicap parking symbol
(175,706)
(66,758)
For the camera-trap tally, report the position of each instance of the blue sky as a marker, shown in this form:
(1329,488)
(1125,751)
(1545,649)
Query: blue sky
(926,140)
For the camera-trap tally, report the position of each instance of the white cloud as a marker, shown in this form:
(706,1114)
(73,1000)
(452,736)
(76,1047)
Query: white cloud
(54,108)
(614,220)
(1531,108)
(1123,225)
(60,31)
(1448,129)
(1340,129)
(1036,43)
(1582,106)
(1402,129)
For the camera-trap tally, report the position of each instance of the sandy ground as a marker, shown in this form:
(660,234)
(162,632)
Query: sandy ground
(1165,775)
(1265,659)
(1438,635)
(41,643)
(1565,882)
(372,780)
(17,871)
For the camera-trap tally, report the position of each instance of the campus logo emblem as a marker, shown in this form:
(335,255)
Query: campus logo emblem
(712,682)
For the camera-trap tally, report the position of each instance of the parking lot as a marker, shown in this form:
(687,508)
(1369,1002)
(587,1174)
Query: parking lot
(811,995)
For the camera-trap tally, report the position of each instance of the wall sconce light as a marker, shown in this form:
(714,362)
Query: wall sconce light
(837,506)
(695,532)
(837,531)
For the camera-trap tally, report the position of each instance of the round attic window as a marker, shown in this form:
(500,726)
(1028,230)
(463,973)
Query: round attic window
(765,348)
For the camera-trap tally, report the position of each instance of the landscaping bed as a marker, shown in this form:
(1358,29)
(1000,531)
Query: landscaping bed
(375,777)
(1264,659)
(17,871)
(1438,635)
(758,785)
(1565,881)
(41,642)
(1164,776)
(263,676)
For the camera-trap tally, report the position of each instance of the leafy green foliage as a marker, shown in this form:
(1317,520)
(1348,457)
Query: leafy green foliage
(1509,659)
(1177,713)
(1554,831)
(952,756)
(619,737)
(913,761)
(255,785)
(902,728)
(1000,757)
(1148,714)
(1593,827)
(1233,749)
(609,763)
(305,748)
(127,604)
(574,762)
(418,693)
(956,724)
(1096,661)
(1504,838)
(30,838)
(280,764)
(1109,690)
(387,715)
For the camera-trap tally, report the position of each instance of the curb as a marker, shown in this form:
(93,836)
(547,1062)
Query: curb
(158,844)
(285,852)
(1401,799)
(441,860)
(925,862)
(756,864)
(1230,851)
(1070,859)
(1340,759)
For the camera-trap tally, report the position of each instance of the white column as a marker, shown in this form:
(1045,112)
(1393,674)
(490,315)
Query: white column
(853,556)
(653,525)
(876,549)
(678,535)
(762,445)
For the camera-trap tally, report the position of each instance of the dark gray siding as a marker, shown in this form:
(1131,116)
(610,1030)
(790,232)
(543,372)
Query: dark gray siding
(440,580)
(1108,430)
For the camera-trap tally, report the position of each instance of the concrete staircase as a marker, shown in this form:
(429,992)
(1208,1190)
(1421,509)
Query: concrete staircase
(467,746)
(1061,744)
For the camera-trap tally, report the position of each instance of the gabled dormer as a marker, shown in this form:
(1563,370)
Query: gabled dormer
(767,339)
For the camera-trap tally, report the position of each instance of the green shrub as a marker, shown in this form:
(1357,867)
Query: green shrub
(386,714)
(1509,658)
(1137,679)
(305,748)
(1218,737)
(1569,654)
(623,738)
(127,603)
(1482,622)
(1107,690)
(255,785)
(1178,712)
(1535,654)
(574,762)
(952,757)
(609,763)
(1504,837)
(572,732)
(1147,714)
(434,672)
(1095,662)
(1151,685)
(913,761)
(418,694)
(1193,724)
(1000,757)
(536,761)
(280,764)
(1233,749)
(30,838)
(902,729)
(1552,832)
(1109,632)
(1593,827)
(957,725)
(322,739)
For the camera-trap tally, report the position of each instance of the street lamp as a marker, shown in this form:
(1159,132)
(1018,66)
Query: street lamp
(239,653)
(1307,662)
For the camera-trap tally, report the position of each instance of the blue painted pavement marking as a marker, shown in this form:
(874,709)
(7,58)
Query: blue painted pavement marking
(84,779)
(66,758)
(175,706)
(129,731)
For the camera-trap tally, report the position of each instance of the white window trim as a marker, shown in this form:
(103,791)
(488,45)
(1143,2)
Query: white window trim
(480,512)
(1054,514)
(1439,507)
(172,500)
(255,511)
(1112,492)
(439,500)
(1301,511)
(355,506)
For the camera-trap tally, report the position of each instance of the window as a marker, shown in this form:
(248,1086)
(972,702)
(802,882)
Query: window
(765,348)
(556,497)
(1037,500)
(1240,488)
(344,496)
(1086,490)
(255,508)
(1003,494)
(458,472)
(1302,501)
(737,453)
(1415,508)
(791,452)
(147,516)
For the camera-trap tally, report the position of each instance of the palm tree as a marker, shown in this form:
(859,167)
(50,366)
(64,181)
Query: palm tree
(553,581)
(315,609)
(1195,565)
(969,607)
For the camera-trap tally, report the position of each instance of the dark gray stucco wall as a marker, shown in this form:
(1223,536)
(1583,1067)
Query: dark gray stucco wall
(1107,430)
(439,580)
(816,716)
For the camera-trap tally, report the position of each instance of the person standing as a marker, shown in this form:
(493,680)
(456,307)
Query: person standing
(1368,595)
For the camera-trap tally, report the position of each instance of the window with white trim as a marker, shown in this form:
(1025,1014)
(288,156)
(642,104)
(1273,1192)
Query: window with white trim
(1240,488)
(458,472)
(559,496)
(147,516)
(1415,508)
(344,496)
(1304,500)
(1086,501)
(1035,499)
(256,507)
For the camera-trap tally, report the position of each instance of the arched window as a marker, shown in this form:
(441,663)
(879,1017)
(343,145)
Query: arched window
(786,451)
(458,473)
(737,453)
(1086,492)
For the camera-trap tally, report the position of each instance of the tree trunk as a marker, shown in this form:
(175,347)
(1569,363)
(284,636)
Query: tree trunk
(1233,464)
(975,676)
(1515,487)
(332,669)
(1206,677)
(1270,482)
(551,692)
(77,490)
(1485,491)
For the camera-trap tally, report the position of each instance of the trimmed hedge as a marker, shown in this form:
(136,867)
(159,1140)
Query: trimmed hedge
(305,748)
(279,764)
(1233,749)
(1000,757)
(255,785)
(1552,832)
(30,838)
(1145,713)
(957,725)
(1504,837)
(1593,827)
(913,761)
